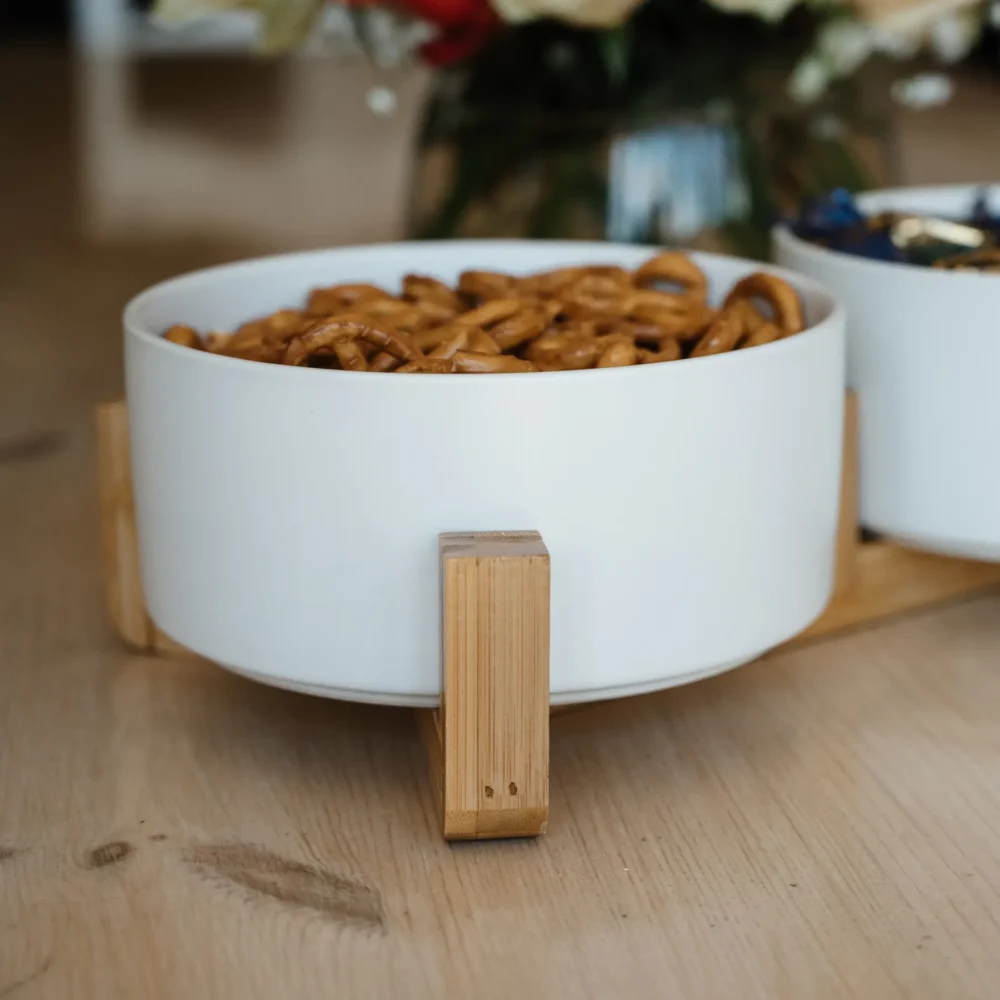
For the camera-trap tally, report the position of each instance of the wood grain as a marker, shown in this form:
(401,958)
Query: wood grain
(848,530)
(126,602)
(822,824)
(493,724)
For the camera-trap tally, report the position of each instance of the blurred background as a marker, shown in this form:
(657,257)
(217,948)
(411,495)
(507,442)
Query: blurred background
(691,123)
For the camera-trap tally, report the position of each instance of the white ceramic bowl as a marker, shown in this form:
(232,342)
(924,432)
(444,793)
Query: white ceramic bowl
(924,359)
(288,517)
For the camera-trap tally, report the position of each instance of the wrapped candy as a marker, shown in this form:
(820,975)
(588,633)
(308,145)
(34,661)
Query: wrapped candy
(836,222)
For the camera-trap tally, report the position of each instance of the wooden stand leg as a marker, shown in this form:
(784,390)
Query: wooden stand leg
(120,546)
(489,741)
(126,603)
(848,529)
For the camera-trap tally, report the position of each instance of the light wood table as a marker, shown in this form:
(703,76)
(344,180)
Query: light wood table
(821,824)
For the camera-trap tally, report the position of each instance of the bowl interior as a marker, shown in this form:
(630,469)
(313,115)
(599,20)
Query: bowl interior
(950,201)
(220,298)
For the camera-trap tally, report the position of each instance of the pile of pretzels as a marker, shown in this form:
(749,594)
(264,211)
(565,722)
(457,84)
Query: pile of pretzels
(563,320)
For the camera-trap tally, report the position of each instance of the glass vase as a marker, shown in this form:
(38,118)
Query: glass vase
(714,177)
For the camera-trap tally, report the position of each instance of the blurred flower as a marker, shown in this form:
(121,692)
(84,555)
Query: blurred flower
(284,23)
(766,10)
(925,90)
(463,27)
(588,13)
(809,79)
(953,37)
(844,44)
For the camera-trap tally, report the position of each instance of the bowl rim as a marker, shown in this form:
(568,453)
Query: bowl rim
(134,328)
(783,236)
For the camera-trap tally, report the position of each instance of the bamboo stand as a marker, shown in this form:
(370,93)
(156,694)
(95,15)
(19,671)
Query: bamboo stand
(489,741)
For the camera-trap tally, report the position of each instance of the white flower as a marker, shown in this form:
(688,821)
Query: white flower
(925,90)
(809,79)
(589,13)
(766,10)
(953,37)
(844,44)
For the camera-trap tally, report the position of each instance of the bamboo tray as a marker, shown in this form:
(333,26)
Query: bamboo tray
(489,741)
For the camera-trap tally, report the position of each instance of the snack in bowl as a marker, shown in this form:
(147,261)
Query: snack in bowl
(571,318)
(928,417)
(288,516)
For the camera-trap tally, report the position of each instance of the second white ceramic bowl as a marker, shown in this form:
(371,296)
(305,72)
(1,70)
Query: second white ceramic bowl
(924,359)
(288,517)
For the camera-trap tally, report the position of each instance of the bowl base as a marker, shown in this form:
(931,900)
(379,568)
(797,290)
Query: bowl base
(417,700)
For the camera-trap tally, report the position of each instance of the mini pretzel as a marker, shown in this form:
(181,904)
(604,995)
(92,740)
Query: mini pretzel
(619,354)
(350,356)
(670,350)
(469,362)
(756,329)
(419,288)
(486,285)
(429,366)
(186,336)
(328,333)
(402,315)
(486,364)
(523,326)
(566,319)
(674,268)
(722,335)
(686,323)
(550,283)
(337,298)
(778,294)
(466,338)
(766,333)
(566,350)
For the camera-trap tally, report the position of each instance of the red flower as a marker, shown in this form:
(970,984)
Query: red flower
(463,27)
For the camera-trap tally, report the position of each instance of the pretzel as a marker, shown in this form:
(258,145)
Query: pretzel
(723,335)
(566,319)
(757,330)
(434,298)
(766,333)
(466,338)
(482,364)
(337,298)
(485,285)
(419,288)
(565,350)
(186,336)
(670,350)
(619,354)
(331,332)
(674,268)
(470,362)
(779,295)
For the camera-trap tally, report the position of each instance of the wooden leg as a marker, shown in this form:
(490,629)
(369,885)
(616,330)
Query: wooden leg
(126,602)
(488,744)
(120,546)
(848,531)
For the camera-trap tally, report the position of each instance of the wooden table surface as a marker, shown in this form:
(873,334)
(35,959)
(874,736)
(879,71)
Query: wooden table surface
(823,823)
